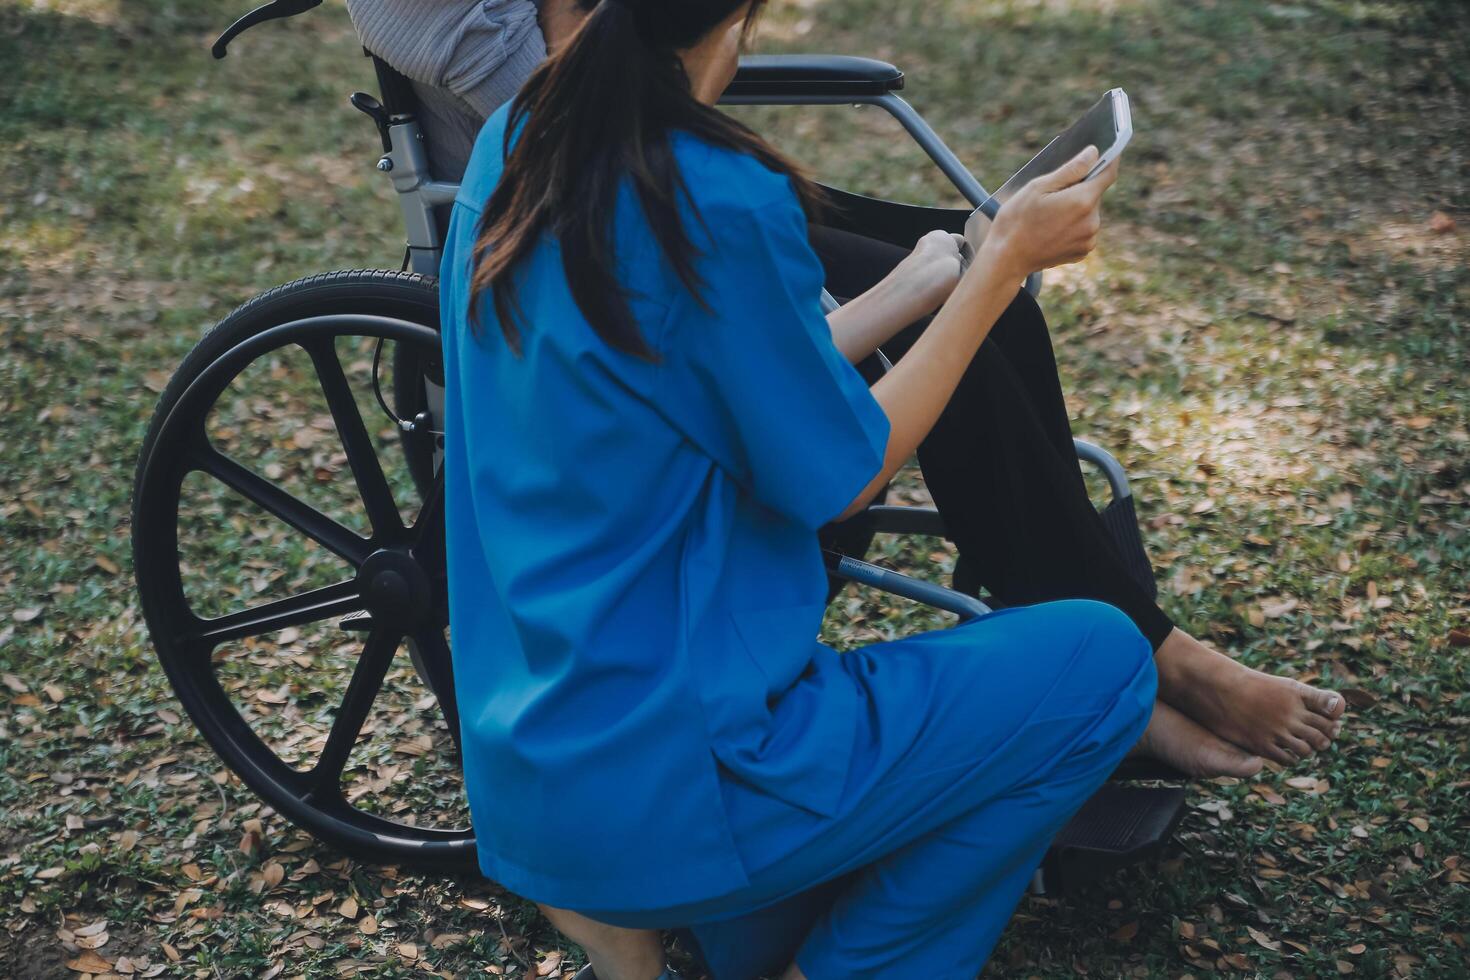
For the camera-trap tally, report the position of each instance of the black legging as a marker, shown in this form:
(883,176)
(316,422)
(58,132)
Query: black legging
(999,461)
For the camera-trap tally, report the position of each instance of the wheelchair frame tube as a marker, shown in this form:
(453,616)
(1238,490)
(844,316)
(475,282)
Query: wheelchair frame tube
(408,167)
(1111,468)
(966,607)
(923,134)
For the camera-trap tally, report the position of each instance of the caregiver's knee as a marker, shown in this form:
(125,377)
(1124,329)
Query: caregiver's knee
(1101,645)
(1108,685)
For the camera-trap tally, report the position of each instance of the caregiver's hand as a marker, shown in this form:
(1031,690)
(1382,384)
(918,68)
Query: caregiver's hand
(1052,220)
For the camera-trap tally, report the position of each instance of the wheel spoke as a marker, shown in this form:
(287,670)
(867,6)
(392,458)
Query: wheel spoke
(297,513)
(297,610)
(428,528)
(361,456)
(367,681)
(434,655)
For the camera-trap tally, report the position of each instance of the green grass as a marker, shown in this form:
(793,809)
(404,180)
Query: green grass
(1273,337)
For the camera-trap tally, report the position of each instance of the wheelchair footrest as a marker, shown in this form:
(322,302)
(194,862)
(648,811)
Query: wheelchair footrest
(1139,769)
(1120,825)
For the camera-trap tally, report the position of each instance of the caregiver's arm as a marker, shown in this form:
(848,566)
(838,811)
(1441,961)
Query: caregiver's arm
(1052,221)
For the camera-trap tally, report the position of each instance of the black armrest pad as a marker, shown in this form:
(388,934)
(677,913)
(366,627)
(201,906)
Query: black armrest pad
(813,74)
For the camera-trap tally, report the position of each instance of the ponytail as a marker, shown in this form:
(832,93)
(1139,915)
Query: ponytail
(605,106)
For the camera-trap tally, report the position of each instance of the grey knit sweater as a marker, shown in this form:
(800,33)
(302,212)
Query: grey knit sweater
(478,50)
(464,57)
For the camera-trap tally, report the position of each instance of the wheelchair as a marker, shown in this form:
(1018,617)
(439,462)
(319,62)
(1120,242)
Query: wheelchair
(290,567)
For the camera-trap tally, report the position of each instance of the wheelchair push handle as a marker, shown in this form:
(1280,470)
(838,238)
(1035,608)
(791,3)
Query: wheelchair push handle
(275,10)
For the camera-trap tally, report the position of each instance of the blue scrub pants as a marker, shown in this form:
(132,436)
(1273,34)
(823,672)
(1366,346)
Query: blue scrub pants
(976,745)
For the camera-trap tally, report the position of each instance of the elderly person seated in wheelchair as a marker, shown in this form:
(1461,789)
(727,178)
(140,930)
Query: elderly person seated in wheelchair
(630,314)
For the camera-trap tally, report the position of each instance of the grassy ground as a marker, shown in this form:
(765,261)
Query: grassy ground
(1274,336)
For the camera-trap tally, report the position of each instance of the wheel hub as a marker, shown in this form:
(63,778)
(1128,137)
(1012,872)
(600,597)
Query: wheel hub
(395,589)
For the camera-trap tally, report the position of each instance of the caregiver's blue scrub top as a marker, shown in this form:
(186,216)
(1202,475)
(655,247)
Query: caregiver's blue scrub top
(635,582)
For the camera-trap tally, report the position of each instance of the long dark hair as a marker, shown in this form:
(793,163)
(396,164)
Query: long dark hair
(606,105)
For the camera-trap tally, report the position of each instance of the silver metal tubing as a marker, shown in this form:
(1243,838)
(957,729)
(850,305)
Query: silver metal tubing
(964,606)
(937,149)
(921,131)
(1105,461)
(437,192)
(944,158)
(407,165)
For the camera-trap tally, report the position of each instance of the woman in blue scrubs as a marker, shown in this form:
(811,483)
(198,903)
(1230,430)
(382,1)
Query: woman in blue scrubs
(647,421)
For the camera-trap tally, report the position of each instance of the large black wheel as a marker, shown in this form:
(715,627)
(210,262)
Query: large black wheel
(288,543)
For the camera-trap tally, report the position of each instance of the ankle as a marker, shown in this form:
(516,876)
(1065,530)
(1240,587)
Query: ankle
(1174,661)
(615,953)
(1185,665)
(634,956)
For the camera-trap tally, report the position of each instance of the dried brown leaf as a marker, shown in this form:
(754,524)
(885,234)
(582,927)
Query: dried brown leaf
(89,962)
(1263,940)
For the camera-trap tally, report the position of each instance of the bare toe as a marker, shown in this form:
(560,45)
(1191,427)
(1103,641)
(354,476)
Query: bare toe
(1313,736)
(1188,746)
(1279,753)
(1321,723)
(1329,704)
(1299,750)
(1242,764)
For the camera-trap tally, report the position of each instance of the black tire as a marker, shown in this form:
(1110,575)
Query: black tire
(397,586)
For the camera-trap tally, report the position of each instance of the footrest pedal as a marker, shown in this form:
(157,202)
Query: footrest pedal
(1120,825)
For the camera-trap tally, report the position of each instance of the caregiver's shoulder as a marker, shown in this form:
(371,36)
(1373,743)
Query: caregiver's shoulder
(718,178)
(728,182)
(487,160)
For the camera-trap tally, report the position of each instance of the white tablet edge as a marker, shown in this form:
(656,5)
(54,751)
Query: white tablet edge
(1122,112)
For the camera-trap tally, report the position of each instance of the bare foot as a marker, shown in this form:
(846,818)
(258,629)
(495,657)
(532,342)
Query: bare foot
(1277,717)
(1189,747)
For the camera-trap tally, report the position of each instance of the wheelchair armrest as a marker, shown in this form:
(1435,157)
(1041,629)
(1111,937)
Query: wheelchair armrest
(966,607)
(813,74)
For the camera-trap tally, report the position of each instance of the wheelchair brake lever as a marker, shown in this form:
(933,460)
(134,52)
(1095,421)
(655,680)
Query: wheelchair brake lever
(275,10)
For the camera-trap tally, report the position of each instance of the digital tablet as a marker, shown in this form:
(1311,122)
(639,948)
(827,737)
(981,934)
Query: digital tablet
(1108,125)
